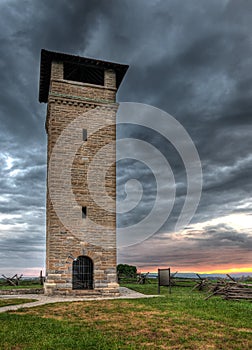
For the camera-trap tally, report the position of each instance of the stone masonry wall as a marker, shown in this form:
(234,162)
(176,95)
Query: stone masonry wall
(95,236)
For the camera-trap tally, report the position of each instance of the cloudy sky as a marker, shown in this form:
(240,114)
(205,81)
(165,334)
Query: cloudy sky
(191,59)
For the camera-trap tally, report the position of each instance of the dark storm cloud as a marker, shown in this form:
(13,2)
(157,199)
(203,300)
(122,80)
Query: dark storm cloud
(212,247)
(21,250)
(192,59)
(220,235)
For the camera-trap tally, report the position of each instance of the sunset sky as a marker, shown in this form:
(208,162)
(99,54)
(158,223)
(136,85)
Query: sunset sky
(191,59)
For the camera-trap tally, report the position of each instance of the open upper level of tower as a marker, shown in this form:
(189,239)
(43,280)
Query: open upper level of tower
(75,77)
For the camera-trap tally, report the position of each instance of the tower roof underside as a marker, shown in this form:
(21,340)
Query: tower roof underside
(47,57)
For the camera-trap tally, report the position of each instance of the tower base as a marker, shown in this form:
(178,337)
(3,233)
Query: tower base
(52,288)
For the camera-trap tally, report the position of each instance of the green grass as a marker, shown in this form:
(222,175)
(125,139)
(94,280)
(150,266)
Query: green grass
(21,286)
(182,320)
(184,301)
(14,301)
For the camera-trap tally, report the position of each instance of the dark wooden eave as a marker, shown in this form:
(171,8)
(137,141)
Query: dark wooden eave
(47,57)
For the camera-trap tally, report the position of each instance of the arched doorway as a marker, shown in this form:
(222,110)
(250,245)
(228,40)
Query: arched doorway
(83,273)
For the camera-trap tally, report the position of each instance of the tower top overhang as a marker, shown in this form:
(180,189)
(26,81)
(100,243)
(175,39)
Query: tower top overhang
(47,57)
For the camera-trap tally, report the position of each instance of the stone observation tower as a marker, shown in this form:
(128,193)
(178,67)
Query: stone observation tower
(81,113)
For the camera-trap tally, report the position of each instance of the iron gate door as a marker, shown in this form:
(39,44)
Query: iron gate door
(83,273)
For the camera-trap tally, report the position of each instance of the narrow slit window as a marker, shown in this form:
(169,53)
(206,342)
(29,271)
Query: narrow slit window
(84,212)
(84,134)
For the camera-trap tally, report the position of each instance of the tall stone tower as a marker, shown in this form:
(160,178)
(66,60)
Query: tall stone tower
(81,175)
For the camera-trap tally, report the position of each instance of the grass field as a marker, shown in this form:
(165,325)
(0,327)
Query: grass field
(26,283)
(9,301)
(22,286)
(182,320)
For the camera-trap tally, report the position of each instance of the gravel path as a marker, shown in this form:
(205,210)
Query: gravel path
(125,293)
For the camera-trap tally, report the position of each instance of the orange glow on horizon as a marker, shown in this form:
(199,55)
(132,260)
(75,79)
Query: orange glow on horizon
(231,270)
(204,270)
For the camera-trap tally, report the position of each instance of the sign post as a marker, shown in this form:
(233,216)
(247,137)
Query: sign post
(164,279)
